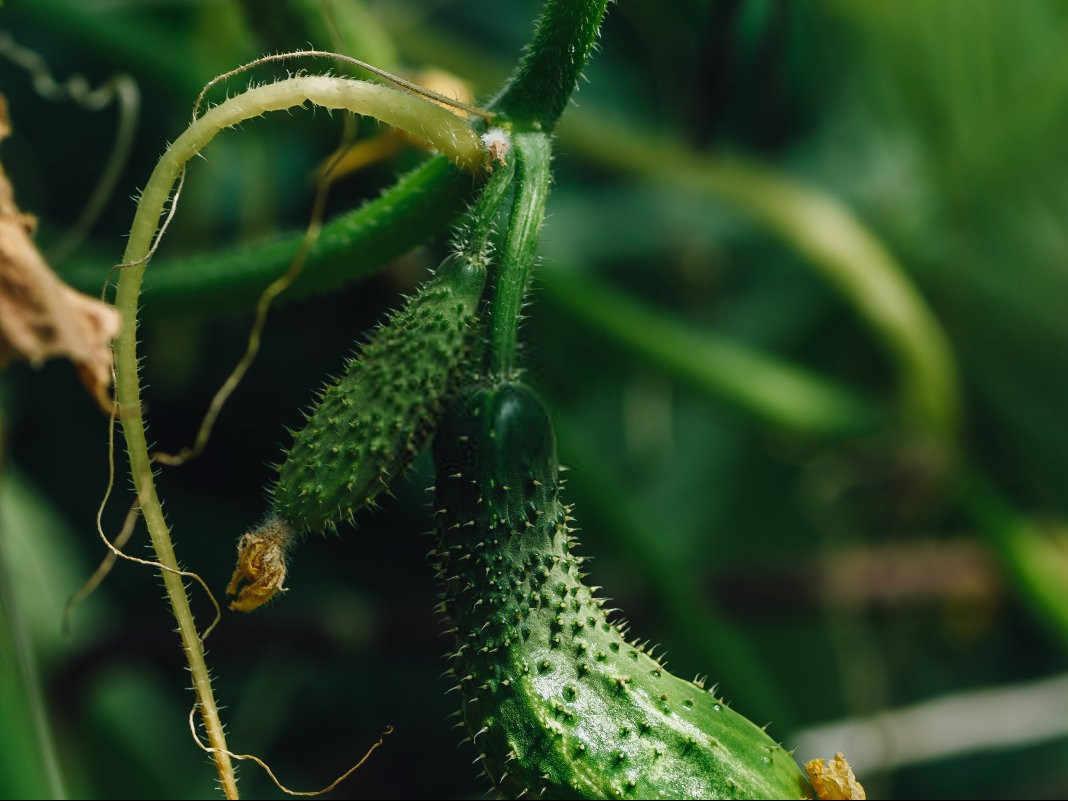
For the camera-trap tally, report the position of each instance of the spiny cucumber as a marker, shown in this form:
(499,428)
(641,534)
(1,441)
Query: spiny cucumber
(369,423)
(557,700)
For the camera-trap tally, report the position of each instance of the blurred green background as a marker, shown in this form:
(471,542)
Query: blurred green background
(819,573)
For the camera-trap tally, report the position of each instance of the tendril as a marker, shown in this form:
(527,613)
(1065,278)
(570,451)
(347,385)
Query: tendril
(271,774)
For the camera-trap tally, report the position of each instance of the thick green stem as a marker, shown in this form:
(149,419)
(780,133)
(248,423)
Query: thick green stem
(805,218)
(533,155)
(775,392)
(475,235)
(564,38)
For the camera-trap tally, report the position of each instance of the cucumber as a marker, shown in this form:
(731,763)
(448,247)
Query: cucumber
(557,701)
(366,426)
(370,422)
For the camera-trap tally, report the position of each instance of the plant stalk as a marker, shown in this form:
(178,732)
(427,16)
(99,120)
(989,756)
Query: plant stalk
(444,130)
(565,35)
(419,206)
(814,224)
(519,249)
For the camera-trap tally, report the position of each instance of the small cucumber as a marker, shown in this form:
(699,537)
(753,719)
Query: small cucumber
(366,426)
(558,702)
(370,422)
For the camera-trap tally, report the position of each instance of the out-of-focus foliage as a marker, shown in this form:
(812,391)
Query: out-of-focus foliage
(944,128)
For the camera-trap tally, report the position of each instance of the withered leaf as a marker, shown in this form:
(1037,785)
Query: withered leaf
(40,316)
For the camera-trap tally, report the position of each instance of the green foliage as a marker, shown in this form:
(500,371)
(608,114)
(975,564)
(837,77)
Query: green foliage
(557,698)
(348,28)
(37,566)
(781,395)
(739,421)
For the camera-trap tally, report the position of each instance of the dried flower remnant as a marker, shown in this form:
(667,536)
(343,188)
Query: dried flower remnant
(40,316)
(497,144)
(260,573)
(834,779)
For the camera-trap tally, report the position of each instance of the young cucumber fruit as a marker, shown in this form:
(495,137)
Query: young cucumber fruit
(370,422)
(557,701)
(366,426)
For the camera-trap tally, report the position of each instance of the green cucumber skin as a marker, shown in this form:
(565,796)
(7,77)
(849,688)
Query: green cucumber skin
(556,699)
(371,421)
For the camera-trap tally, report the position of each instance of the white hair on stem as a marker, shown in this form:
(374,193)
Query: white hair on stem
(421,119)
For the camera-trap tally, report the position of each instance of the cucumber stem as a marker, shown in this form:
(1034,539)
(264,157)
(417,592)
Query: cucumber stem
(824,231)
(475,231)
(533,155)
(541,86)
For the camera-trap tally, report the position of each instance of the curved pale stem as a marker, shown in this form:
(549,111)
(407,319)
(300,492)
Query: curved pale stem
(439,128)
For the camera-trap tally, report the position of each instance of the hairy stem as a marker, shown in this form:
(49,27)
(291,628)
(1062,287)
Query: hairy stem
(440,128)
(533,154)
(806,219)
(564,38)
(476,229)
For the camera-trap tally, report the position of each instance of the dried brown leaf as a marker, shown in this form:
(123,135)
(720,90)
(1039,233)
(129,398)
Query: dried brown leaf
(40,316)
